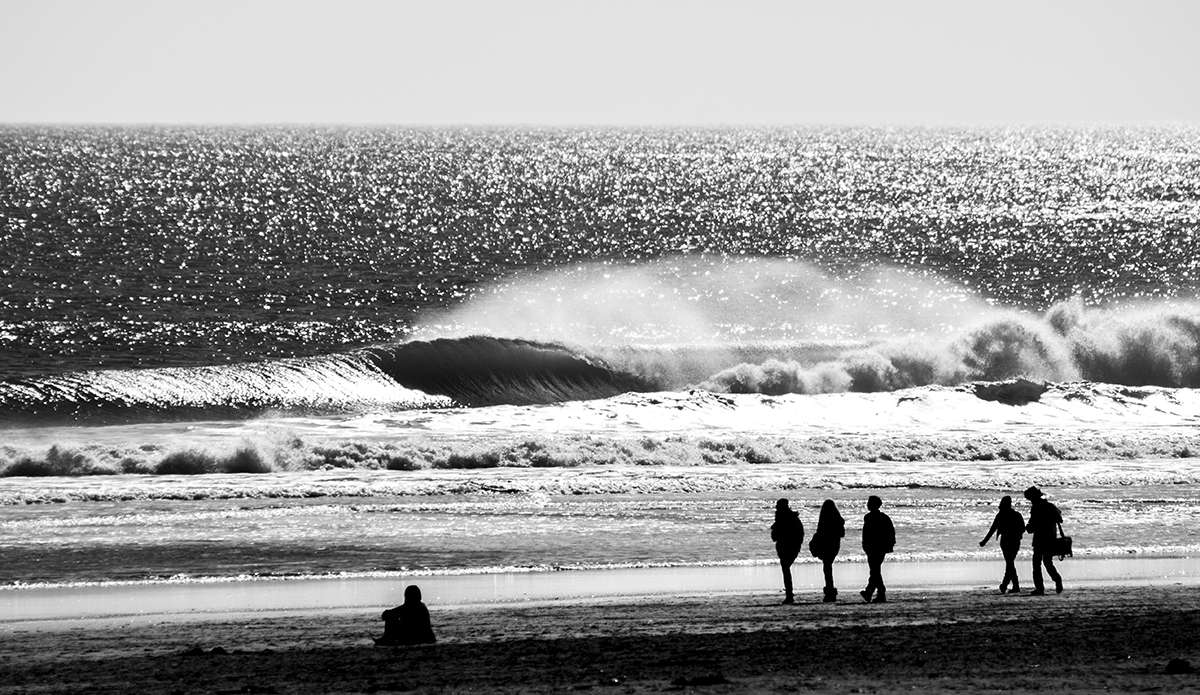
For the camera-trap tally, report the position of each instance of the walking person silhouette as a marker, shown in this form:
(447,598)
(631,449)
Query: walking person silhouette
(878,539)
(1044,519)
(826,543)
(788,534)
(1009,526)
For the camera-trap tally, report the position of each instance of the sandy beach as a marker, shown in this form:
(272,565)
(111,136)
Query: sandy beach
(1104,636)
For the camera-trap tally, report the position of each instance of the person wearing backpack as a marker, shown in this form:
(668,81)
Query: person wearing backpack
(1044,520)
(788,534)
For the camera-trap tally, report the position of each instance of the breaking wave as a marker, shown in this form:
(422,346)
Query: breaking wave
(473,371)
(1132,346)
(329,384)
(481,371)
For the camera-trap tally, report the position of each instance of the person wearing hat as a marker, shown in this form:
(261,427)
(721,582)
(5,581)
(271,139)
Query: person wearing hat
(1044,519)
(788,534)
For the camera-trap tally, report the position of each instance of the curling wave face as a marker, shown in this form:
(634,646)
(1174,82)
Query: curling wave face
(475,371)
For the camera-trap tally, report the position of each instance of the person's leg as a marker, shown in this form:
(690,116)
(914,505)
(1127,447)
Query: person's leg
(391,633)
(1038,586)
(1010,568)
(875,580)
(786,558)
(880,589)
(830,590)
(1048,559)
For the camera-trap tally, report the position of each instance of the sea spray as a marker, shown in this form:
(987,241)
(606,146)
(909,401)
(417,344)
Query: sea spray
(705,300)
(1133,346)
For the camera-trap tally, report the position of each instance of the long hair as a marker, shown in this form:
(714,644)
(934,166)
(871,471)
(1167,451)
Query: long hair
(830,516)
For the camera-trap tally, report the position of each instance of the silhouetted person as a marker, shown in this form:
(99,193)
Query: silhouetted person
(878,539)
(827,543)
(1009,526)
(788,534)
(407,623)
(1044,519)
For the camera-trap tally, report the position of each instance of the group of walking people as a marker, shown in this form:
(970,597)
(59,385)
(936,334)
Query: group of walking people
(1045,523)
(409,624)
(879,539)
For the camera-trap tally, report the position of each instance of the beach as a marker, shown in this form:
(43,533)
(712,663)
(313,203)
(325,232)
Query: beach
(1101,636)
(246,397)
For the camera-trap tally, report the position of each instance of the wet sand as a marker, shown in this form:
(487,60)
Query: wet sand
(1098,636)
(44,607)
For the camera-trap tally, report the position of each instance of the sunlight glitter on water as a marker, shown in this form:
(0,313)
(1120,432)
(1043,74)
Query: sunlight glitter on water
(139,540)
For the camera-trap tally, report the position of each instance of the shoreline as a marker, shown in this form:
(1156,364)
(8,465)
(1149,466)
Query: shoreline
(1116,637)
(54,607)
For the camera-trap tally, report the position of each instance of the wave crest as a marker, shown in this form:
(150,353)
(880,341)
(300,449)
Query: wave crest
(1131,346)
(442,373)
(338,383)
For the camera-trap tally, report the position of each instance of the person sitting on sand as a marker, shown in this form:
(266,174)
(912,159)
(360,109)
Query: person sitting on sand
(1009,526)
(878,539)
(827,543)
(407,623)
(788,534)
(1044,519)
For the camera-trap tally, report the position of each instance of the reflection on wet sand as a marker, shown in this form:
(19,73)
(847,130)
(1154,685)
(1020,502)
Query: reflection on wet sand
(46,607)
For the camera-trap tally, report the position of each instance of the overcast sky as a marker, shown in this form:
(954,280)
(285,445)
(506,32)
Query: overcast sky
(563,62)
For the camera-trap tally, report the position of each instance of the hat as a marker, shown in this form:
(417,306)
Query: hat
(1032,493)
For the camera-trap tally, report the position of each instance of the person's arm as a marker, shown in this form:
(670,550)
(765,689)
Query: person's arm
(427,636)
(994,529)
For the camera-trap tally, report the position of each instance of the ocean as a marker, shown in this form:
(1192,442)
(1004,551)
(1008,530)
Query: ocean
(308,352)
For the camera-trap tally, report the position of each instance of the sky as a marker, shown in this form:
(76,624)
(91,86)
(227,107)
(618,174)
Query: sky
(585,62)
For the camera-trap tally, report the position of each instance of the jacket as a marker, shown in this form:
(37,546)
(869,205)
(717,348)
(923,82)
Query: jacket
(878,535)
